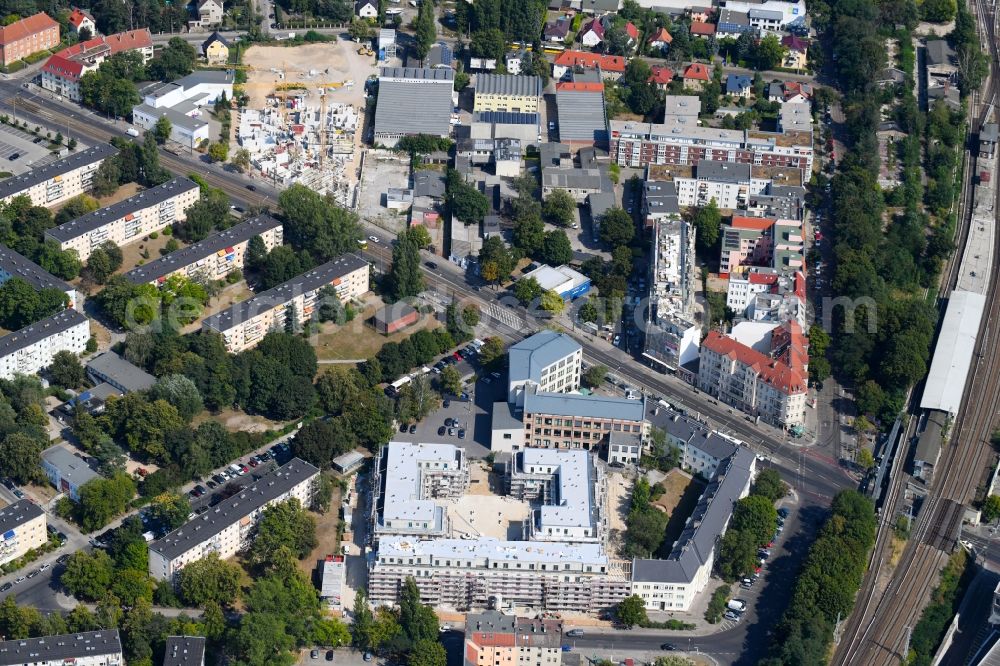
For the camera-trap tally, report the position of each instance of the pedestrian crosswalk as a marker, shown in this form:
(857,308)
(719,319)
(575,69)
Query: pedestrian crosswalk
(505,316)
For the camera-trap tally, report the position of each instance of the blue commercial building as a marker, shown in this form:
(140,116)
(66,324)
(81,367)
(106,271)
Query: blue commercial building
(563,280)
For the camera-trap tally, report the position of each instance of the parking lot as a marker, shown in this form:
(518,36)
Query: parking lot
(19,153)
(381,173)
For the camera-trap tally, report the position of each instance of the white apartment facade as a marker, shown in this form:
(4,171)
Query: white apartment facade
(129,220)
(228,527)
(30,350)
(551,361)
(214,257)
(60,181)
(245,324)
(22,528)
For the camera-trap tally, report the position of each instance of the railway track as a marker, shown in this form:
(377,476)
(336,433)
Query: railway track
(879,633)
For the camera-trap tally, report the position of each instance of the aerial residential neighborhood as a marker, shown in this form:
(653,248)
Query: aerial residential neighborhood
(439,333)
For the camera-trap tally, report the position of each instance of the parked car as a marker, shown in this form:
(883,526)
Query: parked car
(314,654)
(732,615)
(574,633)
(413,428)
(441,431)
(461,434)
(6,586)
(669,647)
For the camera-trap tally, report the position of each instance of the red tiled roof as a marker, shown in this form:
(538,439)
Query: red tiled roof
(697,71)
(763,278)
(759,223)
(82,47)
(608,63)
(700,28)
(795,43)
(588,86)
(800,285)
(776,373)
(661,36)
(593,26)
(661,75)
(64,68)
(632,31)
(77,16)
(129,40)
(26,27)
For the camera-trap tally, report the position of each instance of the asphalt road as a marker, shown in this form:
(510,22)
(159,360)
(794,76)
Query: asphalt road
(812,470)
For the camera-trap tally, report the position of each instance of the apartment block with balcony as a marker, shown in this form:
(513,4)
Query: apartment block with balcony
(214,257)
(31,349)
(129,220)
(767,294)
(13,265)
(496,639)
(22,526)
(228,527)
(409,478)
(548,360)
(84,648)
(761,241)
(681,140)
(55,183)
(245,324)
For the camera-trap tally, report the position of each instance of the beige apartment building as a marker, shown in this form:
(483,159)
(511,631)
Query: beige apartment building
(60,181)
(245,324)
(22,526)
(576,421)
(228,527)
(129,220)
(213,258)
(30,35)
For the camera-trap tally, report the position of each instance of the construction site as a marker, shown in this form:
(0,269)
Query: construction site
(302,123)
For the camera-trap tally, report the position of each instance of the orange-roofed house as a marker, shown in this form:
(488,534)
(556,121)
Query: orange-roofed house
(132,40)
(592,33)
(61,72)
(27,36)
(80,19)
(610,66)
(632,32)
(702,29)
(660,39)
(661,76)
(772,387)
(493,638)
(61,75)
(696,76)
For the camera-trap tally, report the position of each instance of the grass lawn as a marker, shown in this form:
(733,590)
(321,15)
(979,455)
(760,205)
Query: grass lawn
(685,505)
(358,340)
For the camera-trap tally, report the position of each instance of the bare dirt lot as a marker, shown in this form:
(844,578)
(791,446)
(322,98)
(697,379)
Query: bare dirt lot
(675,482)
(332,63)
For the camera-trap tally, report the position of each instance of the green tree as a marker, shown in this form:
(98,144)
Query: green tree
(180,392)
(170,509)
(991,508)
(219,151)
(595,375)
(209,580)
(492,351)
(319,441)
(360,30)
(427,652)
(552,302)
(467,203)
(162,129)
(556,248)
(175,60)
(770,53)
(631,611)
(425,30)
(529,233)
(417,620)
(420,235)
(66,370)
(405,277)
(104,260)
(527,290)
(103,499)
(451,381)
(865,458)
(240,159)
(589,311)
(617,228)
(88,575)
(769,484)
(21,457)
(283,527)
(488,44)
(559,208)
(707,221)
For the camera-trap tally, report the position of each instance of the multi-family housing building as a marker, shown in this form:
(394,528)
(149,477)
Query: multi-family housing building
(771,386)
(181,102)
(729,184)
(672,335)
(13,265)
(29,350)
(495,639)
(681,140)
(610,67)
(128,220)
(505,92)
(577,421)
(184,651)
(22,526)
(62,72)
(27,36)
(59,181)
(550,361)
(671,584)
(571,491)
(245,324)
(228,527)
(214,257)
(766,294)
(409,478)
(761,241)
(67,472)
(84,648)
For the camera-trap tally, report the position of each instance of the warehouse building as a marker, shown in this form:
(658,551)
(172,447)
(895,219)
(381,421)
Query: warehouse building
(563,280)
(84,648)
(245,324)
(22,526)
(111,368)
(59,181)
(228,527)
(583,121)
(129,220)
(29,350)
(214,257)
(503,92)
(182,102)
(401,90)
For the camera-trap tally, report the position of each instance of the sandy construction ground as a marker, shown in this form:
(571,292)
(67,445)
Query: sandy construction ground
(332,63)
